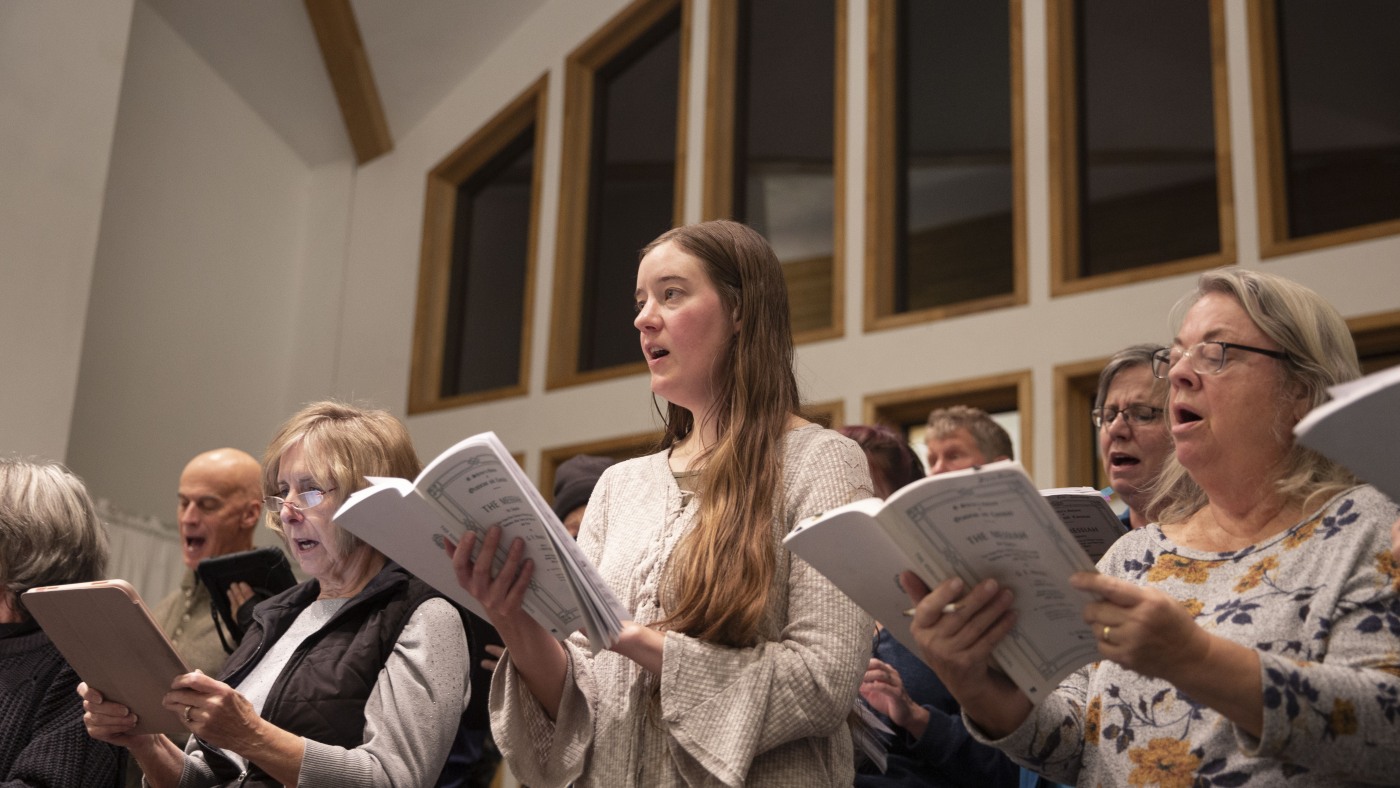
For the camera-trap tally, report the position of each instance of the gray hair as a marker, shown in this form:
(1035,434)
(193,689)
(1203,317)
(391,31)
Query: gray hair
(49,531)
(1133,356)
(1321,353)
(991,439)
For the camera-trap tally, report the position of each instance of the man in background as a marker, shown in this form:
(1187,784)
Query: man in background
(961,437)
(220,500)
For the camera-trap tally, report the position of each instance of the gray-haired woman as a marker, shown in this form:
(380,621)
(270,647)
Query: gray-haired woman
(49,535)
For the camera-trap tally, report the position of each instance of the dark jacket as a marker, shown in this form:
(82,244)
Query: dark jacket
(322,690)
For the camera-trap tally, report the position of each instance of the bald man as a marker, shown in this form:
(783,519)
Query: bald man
(220,500)
(219,505)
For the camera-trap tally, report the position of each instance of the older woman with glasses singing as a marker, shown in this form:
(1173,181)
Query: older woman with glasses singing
(356,677)
(1130,418)
(1251,636)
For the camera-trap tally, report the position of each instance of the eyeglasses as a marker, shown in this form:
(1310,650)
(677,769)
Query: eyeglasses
(1134,415)
(1207,358)
(308,500)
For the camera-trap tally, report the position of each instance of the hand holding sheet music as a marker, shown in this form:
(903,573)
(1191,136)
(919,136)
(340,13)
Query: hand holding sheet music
(472,487)
(987,522)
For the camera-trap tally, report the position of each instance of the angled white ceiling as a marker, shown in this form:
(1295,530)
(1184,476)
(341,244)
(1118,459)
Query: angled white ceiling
(267,52)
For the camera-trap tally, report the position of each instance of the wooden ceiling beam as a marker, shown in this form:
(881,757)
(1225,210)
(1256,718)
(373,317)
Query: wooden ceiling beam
(343,51)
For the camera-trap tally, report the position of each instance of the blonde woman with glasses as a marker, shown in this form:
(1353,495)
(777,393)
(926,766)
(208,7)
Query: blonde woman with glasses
(356,677)
(1251,635)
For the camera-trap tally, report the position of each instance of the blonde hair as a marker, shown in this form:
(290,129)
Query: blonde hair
(49,531)
(1321,353)
(342,444)
(721,576)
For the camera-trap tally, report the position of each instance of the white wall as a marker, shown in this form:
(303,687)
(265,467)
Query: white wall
(233,282)
(386,232)
(60,75)
(215,295)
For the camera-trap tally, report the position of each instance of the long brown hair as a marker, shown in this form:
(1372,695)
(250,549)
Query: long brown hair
(720,576)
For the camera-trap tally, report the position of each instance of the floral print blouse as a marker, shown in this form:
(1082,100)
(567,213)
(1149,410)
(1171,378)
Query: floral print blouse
(1320,603)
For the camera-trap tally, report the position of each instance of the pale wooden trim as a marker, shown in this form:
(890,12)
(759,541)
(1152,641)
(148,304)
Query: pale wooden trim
(682,114)
(993,393)
(580,68)
(621,448)
(1269,179)
(720,121)
(1065,242)
(1062,141)
(1224,148)
(1376,335)
(832,413)
(435,260)
(1076,385)
(837,327)
(1020,273)
(347,65)
(881,134)
(720,112)
(1375,322)
(881,118)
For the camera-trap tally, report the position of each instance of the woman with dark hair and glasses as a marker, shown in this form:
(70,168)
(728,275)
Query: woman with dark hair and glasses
(1130,417)
(356,677)
(1250,636)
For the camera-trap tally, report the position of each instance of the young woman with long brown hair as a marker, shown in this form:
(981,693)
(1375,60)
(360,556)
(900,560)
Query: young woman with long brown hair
(742,663)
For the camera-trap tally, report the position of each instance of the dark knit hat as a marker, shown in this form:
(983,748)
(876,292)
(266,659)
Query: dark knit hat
(574,481)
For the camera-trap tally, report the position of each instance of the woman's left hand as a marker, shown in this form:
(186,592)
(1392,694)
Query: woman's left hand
(215,712)
(1141,628)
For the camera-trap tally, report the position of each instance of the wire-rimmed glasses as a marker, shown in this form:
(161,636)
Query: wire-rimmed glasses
(1207,358)
(300,502)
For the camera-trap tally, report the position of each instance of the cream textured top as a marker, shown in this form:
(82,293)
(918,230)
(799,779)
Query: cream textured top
(771,715)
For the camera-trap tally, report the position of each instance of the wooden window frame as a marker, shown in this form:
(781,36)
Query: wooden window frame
(1376,334)
(1271,187)
(435,261)
(829,413)
(1063,155)
(993,393)
(717,201)
(881,178)
(1076,457)
(580,70)
(636,445)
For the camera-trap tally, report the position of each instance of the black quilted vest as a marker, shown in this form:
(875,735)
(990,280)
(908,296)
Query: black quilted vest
(322,690)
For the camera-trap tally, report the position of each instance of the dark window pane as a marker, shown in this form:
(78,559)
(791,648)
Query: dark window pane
(632,185)
(1340,90)
(785,141)
(491,239)
(1146,133)
(955,240)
